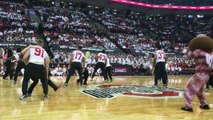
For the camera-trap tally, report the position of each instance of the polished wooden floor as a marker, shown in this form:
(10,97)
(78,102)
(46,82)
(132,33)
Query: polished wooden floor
(70,104)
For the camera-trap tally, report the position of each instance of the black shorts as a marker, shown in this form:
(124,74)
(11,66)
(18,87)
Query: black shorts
(35,71)
(75,66)
(100,65)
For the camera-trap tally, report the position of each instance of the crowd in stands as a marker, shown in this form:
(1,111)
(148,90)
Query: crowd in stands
(116,22)
(15,24)
(198,26)
(73,26)
(140,64)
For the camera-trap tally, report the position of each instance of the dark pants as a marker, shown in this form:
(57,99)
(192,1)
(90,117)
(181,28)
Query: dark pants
(8,64)
(210,82)
(34,72)
(75,66)
(12,69)
(20,65)
(160,73)
(109,72)
(35,82)
(85,76)
(97,66)
(11,73)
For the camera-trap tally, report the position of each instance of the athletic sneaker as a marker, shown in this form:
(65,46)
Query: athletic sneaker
(85,84)
(187,109)
(65,85)
(46,97)
(206,107)
(23,98)
(155,87)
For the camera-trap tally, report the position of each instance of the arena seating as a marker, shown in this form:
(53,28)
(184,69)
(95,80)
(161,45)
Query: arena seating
(74,25)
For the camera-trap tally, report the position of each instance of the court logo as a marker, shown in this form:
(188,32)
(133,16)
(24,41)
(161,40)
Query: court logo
(112,91)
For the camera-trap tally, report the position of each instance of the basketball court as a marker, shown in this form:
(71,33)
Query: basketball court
(126,98)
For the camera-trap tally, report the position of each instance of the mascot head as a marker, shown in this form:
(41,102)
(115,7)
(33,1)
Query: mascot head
(202,42)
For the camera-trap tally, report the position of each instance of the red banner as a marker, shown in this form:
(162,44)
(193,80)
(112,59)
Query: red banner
(165,6)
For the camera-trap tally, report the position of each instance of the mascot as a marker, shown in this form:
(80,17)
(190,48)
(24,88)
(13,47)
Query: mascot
(200,49)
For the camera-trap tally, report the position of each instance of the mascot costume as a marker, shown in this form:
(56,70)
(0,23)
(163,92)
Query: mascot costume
(200,49)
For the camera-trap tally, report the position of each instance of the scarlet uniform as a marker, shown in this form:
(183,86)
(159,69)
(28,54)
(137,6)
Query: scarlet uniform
(101,59)
(203,66)
(160,67)
(77,57)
